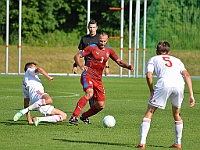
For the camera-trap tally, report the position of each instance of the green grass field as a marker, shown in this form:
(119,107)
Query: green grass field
(126,100)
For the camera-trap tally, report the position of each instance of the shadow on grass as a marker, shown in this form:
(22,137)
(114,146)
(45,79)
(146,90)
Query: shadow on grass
(11,122)
(134,145)
(92,142)
(21,122)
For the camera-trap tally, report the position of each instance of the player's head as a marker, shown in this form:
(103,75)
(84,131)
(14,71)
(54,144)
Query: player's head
(163,47)
(92,26)
(29,65)
(103,39)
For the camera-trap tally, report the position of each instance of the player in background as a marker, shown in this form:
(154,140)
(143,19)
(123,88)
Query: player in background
(33,92)
(91,38)
(170,72)
(91,77)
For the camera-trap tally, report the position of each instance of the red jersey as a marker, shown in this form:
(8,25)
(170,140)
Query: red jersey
(96,59)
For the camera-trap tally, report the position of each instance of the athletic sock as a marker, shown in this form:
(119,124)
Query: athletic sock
(92,111)
(35,105)
(144,129)
(54,118)
(178,127)
(80,105)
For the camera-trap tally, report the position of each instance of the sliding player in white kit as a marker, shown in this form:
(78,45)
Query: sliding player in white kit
(33,91)
(170,72)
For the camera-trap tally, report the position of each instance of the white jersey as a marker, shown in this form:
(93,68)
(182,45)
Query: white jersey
(168,70)
(32,85)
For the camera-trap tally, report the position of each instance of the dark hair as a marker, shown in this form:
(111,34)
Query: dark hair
(92,22)
(104,33)
(28,64)
(163,47)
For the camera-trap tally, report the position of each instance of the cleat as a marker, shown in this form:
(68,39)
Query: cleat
(178,146)
(73,120)
(141,146)
(18,115)
(86,120)
(36,121)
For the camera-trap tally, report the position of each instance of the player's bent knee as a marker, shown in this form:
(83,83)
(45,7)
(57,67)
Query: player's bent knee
(64,116)
(47,98)
(49,101)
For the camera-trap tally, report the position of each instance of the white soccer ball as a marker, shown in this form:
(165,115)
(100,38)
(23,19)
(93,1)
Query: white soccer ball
(109,121)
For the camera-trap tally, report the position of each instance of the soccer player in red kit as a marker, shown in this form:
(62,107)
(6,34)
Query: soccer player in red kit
(91,77)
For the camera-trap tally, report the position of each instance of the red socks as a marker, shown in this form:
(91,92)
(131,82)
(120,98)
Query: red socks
(92,111)
(80,105)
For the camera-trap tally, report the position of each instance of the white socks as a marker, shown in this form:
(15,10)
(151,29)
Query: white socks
(178,128)
(145,126)
(54,118)
(37,104)
(144,129)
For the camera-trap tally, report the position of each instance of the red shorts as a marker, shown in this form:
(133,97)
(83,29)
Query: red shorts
(97,86)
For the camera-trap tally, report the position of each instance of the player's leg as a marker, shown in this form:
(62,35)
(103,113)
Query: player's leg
(88,88)
(176,100)
(161,96)
(178,127)
(99,96)
(37,98)
(51,115)
(40,100)
(92,111)
(92,101)
(145,125)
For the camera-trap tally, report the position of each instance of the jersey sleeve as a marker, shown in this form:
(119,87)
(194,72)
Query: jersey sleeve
(113,55)
(182,66)
(81,45)
(150,66)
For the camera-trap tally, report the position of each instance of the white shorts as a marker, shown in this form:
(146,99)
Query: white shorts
(46,109)
(161,95)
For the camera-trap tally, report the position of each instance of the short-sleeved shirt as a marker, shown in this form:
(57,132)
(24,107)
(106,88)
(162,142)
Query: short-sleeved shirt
(96,59)
(32,86)
(168,70)
(88,40)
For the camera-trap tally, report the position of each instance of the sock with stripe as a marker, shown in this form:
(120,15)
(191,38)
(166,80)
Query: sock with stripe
(178,127)
(144,129)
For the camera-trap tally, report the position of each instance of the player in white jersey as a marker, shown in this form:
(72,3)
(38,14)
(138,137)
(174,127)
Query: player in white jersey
(170,72)
(33,92)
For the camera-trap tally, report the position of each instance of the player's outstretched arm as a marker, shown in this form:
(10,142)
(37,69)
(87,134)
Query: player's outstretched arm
(43,72)
(124,64)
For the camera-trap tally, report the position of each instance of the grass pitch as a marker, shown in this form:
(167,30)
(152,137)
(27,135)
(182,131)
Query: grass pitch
(126,100)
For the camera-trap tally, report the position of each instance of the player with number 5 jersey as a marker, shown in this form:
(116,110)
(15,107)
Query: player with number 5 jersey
(170,72)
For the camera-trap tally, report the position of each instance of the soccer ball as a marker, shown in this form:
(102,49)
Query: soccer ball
(109,121)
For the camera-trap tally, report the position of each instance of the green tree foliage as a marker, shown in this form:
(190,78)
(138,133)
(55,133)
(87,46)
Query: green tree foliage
(174,20)
(42,18)
(62,22)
